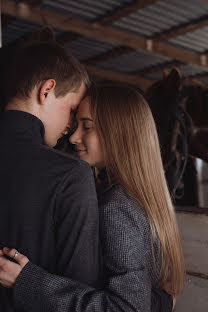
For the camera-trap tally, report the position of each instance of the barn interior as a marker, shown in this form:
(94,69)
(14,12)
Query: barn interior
(139,43)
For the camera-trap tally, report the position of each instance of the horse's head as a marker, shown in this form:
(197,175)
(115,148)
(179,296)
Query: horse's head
(196,101)
(162,97)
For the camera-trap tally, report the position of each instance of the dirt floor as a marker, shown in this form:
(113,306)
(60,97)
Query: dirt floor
(194,235)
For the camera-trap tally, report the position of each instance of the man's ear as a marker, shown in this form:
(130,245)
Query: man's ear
(46,89)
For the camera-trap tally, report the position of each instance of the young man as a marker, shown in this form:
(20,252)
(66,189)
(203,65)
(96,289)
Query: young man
(48,204)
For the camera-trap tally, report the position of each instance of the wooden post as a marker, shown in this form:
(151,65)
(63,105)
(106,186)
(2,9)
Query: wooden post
(202,177)
(0,28)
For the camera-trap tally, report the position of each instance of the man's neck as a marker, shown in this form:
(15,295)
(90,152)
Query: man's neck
(22,105)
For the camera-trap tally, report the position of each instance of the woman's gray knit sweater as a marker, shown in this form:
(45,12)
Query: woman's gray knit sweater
(129,278)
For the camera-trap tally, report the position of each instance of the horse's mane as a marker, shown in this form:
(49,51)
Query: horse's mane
(196,93)
(193,90)
(181,102)
(162,98)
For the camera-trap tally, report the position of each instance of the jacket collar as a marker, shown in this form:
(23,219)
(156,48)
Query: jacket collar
(21,126)
(104,185)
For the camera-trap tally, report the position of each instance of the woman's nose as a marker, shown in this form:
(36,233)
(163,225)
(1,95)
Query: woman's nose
(75,138)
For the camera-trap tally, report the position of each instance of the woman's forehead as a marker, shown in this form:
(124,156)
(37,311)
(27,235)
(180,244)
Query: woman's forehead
(84,108)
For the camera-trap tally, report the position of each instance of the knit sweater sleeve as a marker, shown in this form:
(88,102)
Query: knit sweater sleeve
(124,232)
(76,227)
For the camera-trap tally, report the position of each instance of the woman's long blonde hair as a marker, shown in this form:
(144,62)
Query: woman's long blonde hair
(128,135)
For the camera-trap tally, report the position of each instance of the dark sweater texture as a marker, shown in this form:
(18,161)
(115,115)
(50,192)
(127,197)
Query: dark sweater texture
(48,204)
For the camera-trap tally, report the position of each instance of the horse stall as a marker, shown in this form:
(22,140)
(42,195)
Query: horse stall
(161,48)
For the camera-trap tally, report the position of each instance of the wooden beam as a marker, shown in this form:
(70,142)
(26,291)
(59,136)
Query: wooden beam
(140,82)
(110,18)
(99,32)
(114,53)
(133,79)
(125,10)
(203,1)
(185,56)
(199,76)
(38,34)
(160,67)
(6,19)
(181,30)
(66,37)
(37,15)
(178,31)
(192,209)
(33,3)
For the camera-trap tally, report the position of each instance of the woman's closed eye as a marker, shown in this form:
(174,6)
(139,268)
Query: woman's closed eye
(87,126)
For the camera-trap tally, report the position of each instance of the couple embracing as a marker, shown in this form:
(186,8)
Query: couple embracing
(66,245)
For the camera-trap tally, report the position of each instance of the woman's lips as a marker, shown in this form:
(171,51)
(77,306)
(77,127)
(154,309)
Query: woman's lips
(80,151)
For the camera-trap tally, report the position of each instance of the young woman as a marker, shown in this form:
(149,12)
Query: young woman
(142,254)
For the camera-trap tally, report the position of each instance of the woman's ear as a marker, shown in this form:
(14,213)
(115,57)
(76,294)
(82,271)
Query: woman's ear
(46,89)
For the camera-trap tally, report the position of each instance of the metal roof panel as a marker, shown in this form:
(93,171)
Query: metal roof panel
(186,70)
(84,48)
(133,61)
(196,41)
(17,29)
(89,10)
(162,16)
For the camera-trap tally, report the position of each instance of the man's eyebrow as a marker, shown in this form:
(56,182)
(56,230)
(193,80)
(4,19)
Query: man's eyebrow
(85,118)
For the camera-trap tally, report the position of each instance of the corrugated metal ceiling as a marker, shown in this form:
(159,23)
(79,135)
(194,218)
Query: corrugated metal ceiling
(166,15)
(85,48)
(134,61)
(160,17)
(19,28)
(186,70)
(16,29)
(89,10)
(196,41)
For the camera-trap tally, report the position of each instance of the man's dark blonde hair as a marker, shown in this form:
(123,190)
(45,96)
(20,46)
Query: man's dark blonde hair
(32,64)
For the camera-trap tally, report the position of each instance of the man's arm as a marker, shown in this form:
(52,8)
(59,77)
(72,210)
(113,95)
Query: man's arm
(77,226)
(127,286)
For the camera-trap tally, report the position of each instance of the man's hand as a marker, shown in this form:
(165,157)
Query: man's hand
(10,270)
(174,303)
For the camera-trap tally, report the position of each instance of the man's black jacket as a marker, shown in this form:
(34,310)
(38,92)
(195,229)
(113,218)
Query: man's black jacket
(48,205)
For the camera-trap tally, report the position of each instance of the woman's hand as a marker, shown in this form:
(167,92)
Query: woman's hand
(9,270)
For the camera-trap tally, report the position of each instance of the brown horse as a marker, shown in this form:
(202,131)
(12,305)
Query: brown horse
(180,110)
(196,105)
